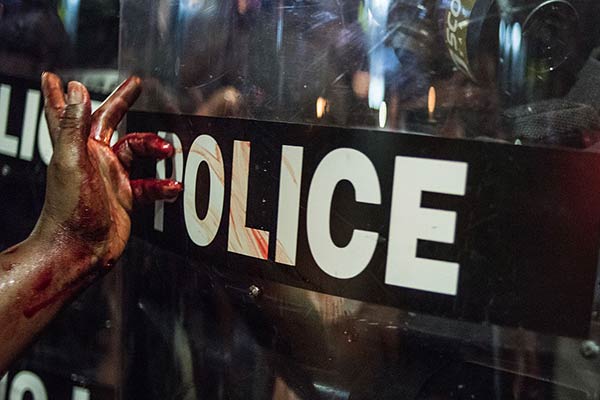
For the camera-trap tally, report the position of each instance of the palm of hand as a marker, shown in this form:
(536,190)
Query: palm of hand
(105,200)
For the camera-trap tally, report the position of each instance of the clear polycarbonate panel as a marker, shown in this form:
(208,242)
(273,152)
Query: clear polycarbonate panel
(502,73)
(510,70)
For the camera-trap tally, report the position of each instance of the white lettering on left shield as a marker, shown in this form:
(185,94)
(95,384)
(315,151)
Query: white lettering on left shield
(30,118)
(353,166)
(24,382)
(8,144)
(80,393)
(410,222)
(3,387)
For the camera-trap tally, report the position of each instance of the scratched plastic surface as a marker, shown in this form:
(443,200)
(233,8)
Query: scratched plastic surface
(393,65)
(195,332)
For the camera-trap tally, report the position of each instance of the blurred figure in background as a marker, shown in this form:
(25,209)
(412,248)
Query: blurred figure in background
(33,38)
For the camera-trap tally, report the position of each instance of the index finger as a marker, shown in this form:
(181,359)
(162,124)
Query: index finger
(106,118)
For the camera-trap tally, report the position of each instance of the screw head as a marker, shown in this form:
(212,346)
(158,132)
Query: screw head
(5,170)
(254,291)
(590,349)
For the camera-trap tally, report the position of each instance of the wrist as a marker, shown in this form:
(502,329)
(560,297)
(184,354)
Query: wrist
(61,249)
(43,272)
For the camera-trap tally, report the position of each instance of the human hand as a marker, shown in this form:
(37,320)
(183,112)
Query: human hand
(84,225)
(89,195)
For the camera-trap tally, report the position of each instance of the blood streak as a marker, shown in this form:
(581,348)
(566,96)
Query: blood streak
(142,145)
(31,310)
(263,245)
(42,281)
(38,303)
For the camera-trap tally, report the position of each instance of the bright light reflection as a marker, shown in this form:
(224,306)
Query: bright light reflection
(431,99)
(516,37)
(502,31)
(190,6)
(321,105)
(376,91)
(382,114)
(377,55)
(379,9)
(517,66)
(71,19)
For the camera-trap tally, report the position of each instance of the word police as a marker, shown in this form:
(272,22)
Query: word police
(408,221)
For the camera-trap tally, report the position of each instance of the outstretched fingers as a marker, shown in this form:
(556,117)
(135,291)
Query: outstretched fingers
(146,191)
(147,145)
(106,118)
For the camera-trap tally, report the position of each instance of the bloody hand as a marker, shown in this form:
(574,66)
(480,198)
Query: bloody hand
(89,195)
(84,224)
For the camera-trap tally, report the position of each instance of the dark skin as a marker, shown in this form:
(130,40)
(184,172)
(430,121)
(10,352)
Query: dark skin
(85,222)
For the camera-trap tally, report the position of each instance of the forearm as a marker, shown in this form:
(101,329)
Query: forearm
(37,277)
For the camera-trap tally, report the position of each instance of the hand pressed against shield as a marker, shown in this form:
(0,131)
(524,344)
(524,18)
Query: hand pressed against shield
(95,200)
(84,225)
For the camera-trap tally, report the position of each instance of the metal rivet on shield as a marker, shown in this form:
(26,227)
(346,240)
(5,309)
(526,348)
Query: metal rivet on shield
(5,170)
(254,291)
(590,349)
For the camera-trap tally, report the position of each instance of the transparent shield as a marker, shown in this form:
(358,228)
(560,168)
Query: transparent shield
(507,71)
(497,72)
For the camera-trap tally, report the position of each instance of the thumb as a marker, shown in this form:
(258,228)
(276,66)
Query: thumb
(75,120)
